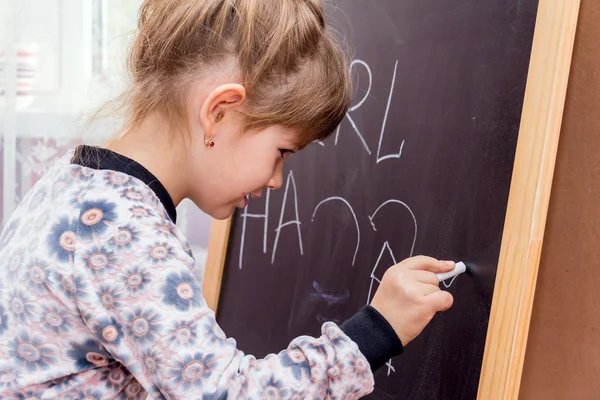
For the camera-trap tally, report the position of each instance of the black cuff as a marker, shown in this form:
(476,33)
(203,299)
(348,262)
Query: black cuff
(375,337)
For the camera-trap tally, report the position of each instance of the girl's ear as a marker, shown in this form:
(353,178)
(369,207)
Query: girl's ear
(218,103)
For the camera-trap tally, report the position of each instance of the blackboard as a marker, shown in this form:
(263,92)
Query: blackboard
(421,165)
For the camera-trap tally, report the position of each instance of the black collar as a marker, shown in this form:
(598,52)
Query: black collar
(104,159)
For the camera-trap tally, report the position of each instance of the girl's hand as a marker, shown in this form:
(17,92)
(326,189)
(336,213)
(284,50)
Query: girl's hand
(409,295)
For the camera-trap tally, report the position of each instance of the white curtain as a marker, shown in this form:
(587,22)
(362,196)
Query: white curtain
(59,59)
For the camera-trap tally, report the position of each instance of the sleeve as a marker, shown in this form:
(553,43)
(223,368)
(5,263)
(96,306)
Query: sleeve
(146,307)
(374,336)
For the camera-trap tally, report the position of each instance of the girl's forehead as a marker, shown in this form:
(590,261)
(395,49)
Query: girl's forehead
(289,135)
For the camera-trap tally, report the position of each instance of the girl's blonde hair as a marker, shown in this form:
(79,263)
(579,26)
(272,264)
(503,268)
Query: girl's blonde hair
(293,68)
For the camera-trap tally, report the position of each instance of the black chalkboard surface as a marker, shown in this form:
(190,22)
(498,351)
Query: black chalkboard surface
(421,165)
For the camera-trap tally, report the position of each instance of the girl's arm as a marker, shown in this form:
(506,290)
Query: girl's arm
(164,333)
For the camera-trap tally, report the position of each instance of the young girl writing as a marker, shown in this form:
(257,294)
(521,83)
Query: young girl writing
(99,298)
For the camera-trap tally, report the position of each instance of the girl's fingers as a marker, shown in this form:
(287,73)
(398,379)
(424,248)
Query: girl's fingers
(429,264)
(440,300)
(426,277)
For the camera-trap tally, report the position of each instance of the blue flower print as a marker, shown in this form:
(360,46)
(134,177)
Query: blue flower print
(87,185)
(317,346)
(337,337)
(359,365)
(140,212)
(3,319)
(9,379)
(81,174)
(89,394)
(297,361)
(222,395)
(191,371)
(153,360)
(29,394)
(335,373)
(55,318)
(100,261)
(114,178)
(132,195)
(78,195)
(61,240)
(135,280)
(214,332)
(297,395)
(182,291)
(273,389)
(71,286)
(95,217)
(132,391)
(89,354)
(161,391)
(29,350)
(108,331)
(164,228)
(143,325)
(130,362)
(36,276)
(181,335)
(63,383)
(160,252)
(22,305)
(111,296)
(125,238)
(115,378)
(72,395)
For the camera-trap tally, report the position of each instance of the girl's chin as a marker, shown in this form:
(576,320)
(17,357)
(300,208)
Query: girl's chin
(222,215)
(225,212)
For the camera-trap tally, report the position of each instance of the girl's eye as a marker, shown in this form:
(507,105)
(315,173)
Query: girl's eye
(285,152)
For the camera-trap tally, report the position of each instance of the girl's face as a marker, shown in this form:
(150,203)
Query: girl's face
(239,165)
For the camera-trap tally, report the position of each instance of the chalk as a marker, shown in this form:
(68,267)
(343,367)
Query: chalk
(459,268)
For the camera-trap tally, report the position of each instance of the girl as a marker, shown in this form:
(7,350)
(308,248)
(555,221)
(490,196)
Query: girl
(98,295)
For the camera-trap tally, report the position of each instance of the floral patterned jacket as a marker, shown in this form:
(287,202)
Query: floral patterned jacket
(99,300)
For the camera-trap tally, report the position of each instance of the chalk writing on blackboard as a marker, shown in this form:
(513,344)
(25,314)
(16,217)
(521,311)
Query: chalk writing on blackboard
(245,215)
(426,95)
(353,215)
(357,106)
(387,110)
(281,225)
(412,214)
(330,299)
(374,277)
(448,283)
(386,246)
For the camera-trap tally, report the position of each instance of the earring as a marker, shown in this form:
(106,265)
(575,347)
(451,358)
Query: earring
(209,142)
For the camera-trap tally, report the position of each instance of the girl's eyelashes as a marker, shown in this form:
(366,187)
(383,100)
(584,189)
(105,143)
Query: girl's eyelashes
(285,151)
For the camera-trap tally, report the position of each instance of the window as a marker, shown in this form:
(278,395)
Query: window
(59,59)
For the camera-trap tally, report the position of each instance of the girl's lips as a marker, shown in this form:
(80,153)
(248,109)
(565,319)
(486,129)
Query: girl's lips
(243,202)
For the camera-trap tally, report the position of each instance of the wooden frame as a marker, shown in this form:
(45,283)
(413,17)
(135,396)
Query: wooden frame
(527,205)
(215,261)
(528,201)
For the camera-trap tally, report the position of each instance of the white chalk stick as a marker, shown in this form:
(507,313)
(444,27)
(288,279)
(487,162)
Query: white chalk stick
(459,268)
